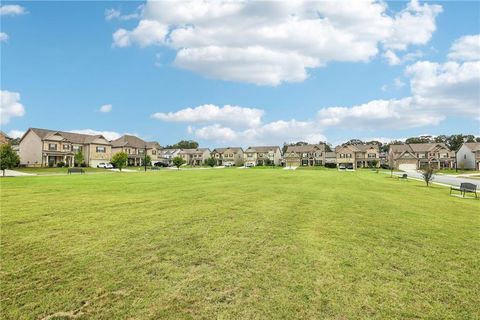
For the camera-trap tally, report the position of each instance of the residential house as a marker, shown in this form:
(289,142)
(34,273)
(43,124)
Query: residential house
(43,147)
(4,138)
(166,155)
(358,155)
(262,155)
(330,159)
(136,149)
(306,155)
(195,157)
(153,150)
(468,156)
(415,156)
(232,156)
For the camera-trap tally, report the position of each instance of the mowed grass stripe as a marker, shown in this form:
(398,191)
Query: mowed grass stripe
(237,244)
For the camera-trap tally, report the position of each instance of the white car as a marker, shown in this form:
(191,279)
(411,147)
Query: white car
(249,164)
(105,165)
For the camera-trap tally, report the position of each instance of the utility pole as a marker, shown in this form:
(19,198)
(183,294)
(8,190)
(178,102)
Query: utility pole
(145,158)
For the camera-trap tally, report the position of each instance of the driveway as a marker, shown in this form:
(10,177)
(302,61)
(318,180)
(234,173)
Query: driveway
(442,178)
(13,173)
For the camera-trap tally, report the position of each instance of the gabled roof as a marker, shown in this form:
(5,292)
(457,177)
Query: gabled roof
(426,147)
(358,147)
(194,151)
(222,150)
(330,155)
(474,146)
(129,141)
(306,148)
(78,138)
(400,148)
(153,144)
(262,149)
(169,151)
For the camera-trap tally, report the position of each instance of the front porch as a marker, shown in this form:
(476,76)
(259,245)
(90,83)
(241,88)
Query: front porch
(52,159)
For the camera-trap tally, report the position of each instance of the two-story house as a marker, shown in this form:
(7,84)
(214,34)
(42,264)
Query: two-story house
(154,151)
(262,155)
(136,149)
(4,138)
(195,157)
(230,156)
(43,147)
(306,155)
(468,156)
(415,156)
(166,155)
(358,155)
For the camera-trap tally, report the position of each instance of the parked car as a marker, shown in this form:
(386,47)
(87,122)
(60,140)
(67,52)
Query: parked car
(105,165)
(161,164)
(228,164)
(249,164)
(342,167)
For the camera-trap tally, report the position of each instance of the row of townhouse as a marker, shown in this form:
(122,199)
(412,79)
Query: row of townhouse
(42,147)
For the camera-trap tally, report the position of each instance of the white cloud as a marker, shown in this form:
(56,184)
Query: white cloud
(148,32)
(394,59)
(268,43)
(398,83)
(16,133)
(413,26)
(11,10)
(105,108)
(208,113)
(109,135)
(467,48)
(10,106)
(437,90)
(270,133)
(111,14)
(3,36)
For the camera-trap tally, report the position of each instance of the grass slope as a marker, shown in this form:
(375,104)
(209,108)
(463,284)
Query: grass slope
(234,244)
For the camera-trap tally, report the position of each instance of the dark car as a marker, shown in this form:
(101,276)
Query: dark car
(161,164)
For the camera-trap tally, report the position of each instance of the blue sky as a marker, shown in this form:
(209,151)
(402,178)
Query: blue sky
(330,73)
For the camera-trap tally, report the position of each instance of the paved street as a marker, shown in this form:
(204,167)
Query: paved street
(442,178)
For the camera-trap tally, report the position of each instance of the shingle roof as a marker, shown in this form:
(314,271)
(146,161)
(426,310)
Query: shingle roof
(70,136)
(222,150)
(129,141)
(425,147)
(193,151)
(474,146)
(357,147)
(153,144)
(262,148)
(306,148)
(330,155)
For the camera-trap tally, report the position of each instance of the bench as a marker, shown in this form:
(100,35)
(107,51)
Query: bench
(464,188)
(154,168)
(76,170)
(403,177)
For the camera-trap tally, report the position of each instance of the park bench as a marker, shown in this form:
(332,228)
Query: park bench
(154,168)
(76,170)
(464,188)
(403,177)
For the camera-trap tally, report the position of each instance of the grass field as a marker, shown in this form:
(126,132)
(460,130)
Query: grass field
(237,244)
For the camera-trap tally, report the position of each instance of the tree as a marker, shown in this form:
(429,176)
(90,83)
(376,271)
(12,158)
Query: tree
(210,162)
(119,160)
(78,158)
(8,157)
(427,175)
(148,160)
(184,144)
(353,142)
(422,139)
(178,161)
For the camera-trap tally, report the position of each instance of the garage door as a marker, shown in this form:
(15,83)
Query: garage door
(407,166)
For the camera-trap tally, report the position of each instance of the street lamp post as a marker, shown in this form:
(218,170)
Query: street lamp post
(145,158)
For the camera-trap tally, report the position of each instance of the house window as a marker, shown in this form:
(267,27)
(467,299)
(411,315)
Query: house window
(154,152)
(372,155)
(101,149)
(66,147)
(464,156)
(52,146)
(77,149)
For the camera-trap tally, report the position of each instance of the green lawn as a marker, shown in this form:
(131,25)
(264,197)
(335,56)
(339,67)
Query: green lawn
(459,171)
(237,244)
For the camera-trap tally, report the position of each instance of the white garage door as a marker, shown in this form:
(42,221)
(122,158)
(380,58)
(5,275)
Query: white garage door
(407,166)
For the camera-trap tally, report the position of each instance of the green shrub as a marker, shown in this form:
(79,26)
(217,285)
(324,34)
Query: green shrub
(60,164)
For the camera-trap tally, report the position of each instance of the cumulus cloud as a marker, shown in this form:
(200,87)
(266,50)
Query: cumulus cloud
(437,90)
(105,108)
(109,135)
(267,43)
(11,10)
(269,133)
(208,113)
(148,32)
(10,106)
(3,36)
(467,48)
